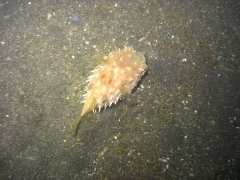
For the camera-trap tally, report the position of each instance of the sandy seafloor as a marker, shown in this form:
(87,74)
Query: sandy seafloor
(182,121)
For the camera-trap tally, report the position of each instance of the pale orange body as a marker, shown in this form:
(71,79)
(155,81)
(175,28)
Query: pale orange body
(116,76)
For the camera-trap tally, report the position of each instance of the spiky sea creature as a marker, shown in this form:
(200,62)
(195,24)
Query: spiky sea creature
(116,76)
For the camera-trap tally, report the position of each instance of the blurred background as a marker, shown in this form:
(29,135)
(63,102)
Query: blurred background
(180,122)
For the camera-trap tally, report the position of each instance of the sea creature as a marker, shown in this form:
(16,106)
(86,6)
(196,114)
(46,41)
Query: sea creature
(117,75)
